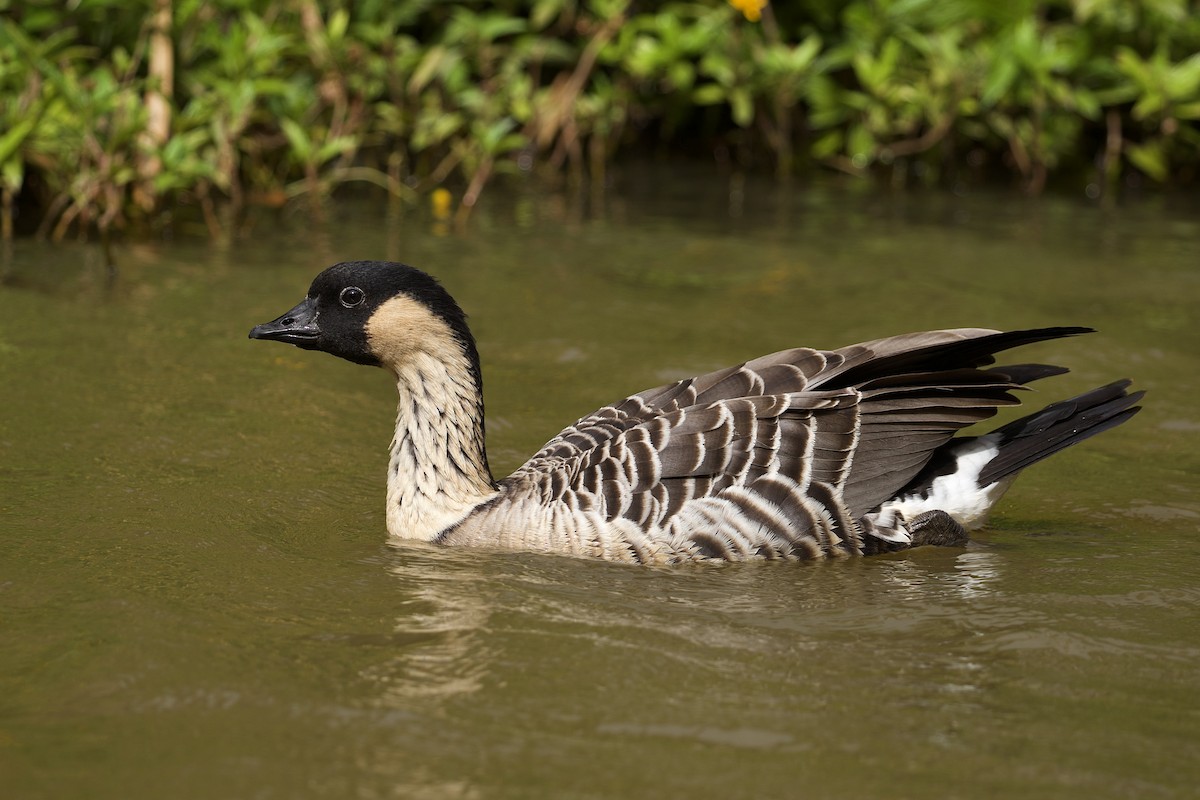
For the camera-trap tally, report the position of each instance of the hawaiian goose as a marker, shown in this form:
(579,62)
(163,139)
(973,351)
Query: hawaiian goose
(799,454)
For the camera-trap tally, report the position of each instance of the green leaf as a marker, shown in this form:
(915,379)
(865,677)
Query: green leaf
(1183,80)
(742,106)
(495,133)
(860,145)
(1150,103)
(719,67)
(435,126)
(1026,43)
(1087,104)
(607,9)
(425,71)
(544,12)
(708,95)
(1000,77)
(12,174)
(495,26)
(864,69)
(889,56)
(1188,111)
(681,75)
(823,93)
(1131,64)
(805,53)
(11,141)
(338,24)
(1116,95)
(335,147)
(174,150)
(1149,158)
(297,137)
(828,145)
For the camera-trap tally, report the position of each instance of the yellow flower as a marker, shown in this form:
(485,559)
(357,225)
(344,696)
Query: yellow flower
(441,200)
(751,9)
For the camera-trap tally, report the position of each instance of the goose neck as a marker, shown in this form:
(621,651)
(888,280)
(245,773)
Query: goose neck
(438,470)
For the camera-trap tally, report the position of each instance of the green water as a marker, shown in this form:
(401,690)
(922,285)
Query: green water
(197,599)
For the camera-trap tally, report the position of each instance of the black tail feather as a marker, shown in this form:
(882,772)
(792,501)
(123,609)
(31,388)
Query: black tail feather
(1058,426)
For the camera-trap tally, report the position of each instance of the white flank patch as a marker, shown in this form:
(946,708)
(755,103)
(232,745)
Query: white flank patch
(959,493)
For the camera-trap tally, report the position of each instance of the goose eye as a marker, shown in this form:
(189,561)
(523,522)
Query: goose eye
(352,296)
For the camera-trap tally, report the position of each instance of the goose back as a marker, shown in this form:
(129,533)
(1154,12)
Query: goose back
(791,450)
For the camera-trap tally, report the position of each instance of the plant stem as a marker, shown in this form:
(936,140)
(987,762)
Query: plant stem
(158,104)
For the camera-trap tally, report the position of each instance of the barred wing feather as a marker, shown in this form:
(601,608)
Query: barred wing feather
(803,442)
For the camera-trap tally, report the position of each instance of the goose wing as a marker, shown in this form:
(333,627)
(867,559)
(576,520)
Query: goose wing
(852,425)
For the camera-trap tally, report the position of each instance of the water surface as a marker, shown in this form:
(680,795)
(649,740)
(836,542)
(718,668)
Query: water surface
(197,598)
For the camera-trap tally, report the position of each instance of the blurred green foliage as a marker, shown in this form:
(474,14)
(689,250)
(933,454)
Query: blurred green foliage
(269,99)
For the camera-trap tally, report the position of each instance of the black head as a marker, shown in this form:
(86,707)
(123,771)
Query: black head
(341,316)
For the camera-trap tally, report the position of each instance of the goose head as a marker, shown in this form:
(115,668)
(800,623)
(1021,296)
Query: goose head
(379,314)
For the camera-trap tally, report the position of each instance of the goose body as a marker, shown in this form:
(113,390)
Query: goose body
(803,453)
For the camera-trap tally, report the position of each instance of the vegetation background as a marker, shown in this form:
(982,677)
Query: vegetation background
(123,112)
